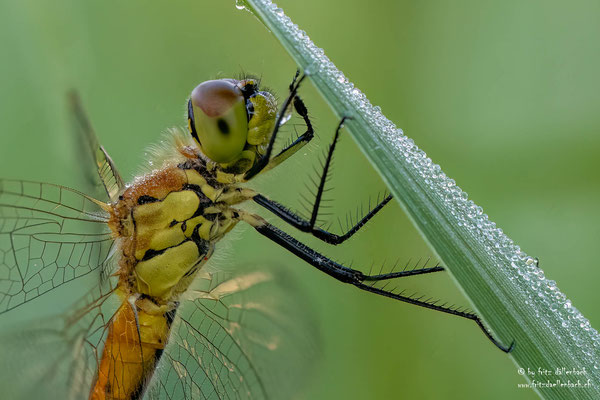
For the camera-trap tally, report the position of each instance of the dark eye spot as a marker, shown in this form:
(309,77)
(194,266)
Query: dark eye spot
(222,125)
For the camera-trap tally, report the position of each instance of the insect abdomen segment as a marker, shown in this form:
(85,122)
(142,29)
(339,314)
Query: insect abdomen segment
(135,342)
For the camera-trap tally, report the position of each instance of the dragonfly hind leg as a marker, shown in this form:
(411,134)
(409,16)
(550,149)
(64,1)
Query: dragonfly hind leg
(357,278)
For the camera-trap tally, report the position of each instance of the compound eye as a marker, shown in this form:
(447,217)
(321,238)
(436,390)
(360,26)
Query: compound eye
(218,120)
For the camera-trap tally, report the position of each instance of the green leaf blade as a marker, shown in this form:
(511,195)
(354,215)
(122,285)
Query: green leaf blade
(506,286)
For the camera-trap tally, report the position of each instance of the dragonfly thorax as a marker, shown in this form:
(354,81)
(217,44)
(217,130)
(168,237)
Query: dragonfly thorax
(168,223)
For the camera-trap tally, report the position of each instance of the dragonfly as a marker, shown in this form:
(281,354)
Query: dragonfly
(161,321)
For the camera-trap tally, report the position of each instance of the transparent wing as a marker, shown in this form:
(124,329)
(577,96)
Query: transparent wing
(49,235)
(57,357)
(110,180)
(248,336)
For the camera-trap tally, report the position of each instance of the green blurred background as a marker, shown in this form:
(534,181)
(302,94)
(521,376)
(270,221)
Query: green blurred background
(503,95)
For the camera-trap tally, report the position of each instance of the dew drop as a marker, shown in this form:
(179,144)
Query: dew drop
(241,5)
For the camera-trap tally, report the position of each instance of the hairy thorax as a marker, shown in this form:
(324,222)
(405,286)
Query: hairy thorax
(168,222)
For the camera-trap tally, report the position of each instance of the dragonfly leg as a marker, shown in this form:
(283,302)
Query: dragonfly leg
(266,162)
(432,306)
(309,225)
(357,278)
(402,274)
(300,142)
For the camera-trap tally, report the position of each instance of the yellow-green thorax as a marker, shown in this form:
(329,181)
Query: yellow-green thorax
(168,223)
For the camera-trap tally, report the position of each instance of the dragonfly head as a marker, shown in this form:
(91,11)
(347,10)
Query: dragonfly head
(232,121)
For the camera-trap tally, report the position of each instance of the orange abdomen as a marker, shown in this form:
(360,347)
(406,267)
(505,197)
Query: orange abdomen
(131,351)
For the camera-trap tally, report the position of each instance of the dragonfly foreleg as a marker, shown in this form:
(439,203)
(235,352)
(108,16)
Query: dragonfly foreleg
(300,141)
(265,162)
(357,278)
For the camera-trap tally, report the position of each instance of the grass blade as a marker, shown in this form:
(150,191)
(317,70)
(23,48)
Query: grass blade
(505,285)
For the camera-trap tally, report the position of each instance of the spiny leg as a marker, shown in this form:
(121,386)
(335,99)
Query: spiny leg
(309,226)
(402,274)
(357,278)
(265,162)
(433,306)
(300,141)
